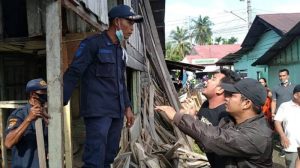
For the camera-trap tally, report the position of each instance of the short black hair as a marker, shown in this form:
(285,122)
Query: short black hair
(110,21)
(265,80)
(231,77)
(284,70)
(255,108)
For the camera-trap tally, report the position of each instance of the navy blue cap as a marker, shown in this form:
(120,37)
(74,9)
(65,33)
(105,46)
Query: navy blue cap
(296,89)
(124,11)
(36,84)
(250,88)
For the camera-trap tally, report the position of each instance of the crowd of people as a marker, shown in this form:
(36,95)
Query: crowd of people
(235,125)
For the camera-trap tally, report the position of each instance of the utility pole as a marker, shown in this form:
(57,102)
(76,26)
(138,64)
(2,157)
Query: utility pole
(249,13)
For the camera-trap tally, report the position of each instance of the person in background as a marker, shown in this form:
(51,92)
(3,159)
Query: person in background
(283,92)
(266,109)
(100,65)
(287,125)
(20,132)
(298,160)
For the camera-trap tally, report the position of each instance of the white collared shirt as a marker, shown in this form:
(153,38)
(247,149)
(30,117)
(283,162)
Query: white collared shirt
(289,114)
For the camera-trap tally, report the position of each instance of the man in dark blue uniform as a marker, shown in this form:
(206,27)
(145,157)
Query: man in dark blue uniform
(21,136)
(100,64)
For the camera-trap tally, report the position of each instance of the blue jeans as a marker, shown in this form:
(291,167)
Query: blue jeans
(102,141)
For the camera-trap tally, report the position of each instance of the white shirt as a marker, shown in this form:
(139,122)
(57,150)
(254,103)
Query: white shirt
(289,114)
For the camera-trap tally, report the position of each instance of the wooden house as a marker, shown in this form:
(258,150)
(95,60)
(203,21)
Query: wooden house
(39,39)
(262,39)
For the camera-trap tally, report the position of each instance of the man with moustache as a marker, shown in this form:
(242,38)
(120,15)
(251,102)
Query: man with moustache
(213,109)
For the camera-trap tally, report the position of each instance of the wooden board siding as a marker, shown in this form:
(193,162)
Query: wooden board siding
(17,70)
(288,58)
(266,41)
(75,24)
(34,17)
(98,7)
(288,55)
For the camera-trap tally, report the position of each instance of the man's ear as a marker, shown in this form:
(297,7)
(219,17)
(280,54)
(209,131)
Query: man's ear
(220,90)
(117,22)
(247,104)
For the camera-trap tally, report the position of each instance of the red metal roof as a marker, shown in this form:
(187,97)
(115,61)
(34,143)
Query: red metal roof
(212,51)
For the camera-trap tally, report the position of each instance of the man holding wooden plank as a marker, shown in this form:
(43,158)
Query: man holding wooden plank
(244,138)
(21,129)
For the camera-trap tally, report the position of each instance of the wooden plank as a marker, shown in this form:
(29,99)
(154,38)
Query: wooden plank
(132,52)
(153,163)
(172,94)
(40,143)
(90,19)
(127,162)
(151,116)
(170,153)
(165,160)
(2,134)
(1,72)
(12,104)
(162,72)
(141,155)
(54,80)
(33,18)
(1,22)
(134,64)
(136,129)
(68,136)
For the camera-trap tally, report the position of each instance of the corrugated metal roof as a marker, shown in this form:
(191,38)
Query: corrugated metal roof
(282,21)
(212,51)
(180,65)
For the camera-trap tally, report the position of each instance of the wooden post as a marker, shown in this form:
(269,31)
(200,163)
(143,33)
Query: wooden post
(68,136)
(40,143)
(54,80)
(136,92)
(1,76)
(1,21)
(3,149)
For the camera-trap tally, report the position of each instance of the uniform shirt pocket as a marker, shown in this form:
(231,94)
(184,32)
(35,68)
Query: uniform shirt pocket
(106,64)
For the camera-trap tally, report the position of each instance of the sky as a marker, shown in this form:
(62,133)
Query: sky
(229,16)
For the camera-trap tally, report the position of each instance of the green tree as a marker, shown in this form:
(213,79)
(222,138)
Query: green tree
(179,45)
(218,40)
(232,40)
(201,29)
(171,53)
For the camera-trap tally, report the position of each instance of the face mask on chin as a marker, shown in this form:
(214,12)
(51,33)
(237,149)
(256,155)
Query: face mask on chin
(120,36)
(119,33)
(284,82)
